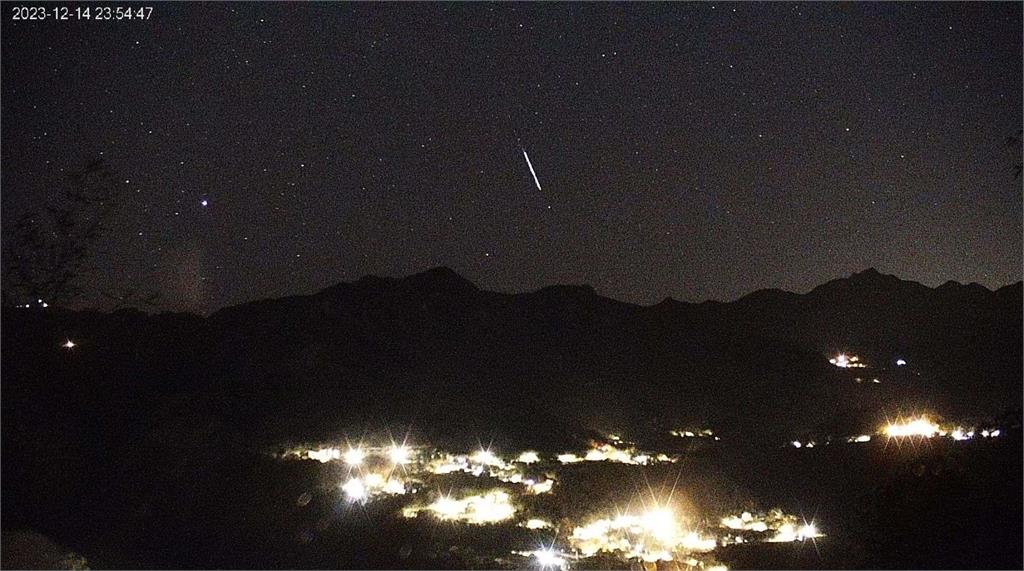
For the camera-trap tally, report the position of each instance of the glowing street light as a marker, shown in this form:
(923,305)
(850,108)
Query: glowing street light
(549,558)
(68,344)
(808,531)
(486,457)
(355,490)
(399,455)
(354,456)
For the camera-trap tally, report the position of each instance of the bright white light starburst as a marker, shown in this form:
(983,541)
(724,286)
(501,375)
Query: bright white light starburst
(354,456)
(399,455)
(921,426)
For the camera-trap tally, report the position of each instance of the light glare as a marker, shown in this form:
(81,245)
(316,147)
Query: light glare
(354,456)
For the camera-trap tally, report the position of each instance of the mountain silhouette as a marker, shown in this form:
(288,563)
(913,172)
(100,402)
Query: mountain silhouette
(434,351)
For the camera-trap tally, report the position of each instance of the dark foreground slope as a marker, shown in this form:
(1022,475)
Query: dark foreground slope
(147,426)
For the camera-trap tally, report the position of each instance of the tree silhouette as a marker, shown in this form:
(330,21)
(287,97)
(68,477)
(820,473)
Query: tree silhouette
(47,257)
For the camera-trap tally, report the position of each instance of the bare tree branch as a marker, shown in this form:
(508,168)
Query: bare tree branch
(50,251)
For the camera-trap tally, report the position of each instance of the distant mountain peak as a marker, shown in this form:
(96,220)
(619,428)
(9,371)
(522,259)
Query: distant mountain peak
(955,286)
(440,278)
(865,280)
(871,275)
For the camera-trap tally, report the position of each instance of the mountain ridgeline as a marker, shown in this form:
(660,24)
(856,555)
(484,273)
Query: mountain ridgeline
(434,352)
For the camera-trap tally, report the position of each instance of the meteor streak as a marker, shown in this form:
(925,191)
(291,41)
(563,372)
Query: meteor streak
(534,173)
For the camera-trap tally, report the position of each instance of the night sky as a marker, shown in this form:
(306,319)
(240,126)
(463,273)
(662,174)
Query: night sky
(688,150)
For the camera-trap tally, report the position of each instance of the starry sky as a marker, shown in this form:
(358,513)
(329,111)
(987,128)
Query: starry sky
(692,150)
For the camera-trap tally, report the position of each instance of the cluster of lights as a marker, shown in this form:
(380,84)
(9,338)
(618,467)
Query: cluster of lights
(372,471)
(789,532)
(360,489)
(745,522)
(324,455)
(390,471)
(548,558)
(960,433)
(551,558)
(844,361)
(920,426)
(655,535)
(784,528)
(611,453)
(536,523)
(528,457)
(651,536)
(399,455)
(484,462)
(914,427)
(489,508)
(923,427)
(356,456)
(485,457)
(376,468)
(704,433)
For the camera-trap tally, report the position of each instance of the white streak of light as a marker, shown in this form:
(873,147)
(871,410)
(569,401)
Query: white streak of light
(534,173)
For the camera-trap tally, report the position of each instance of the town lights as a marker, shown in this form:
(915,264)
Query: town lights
(844,361)
(915,427)
(354,456)
(399,455)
